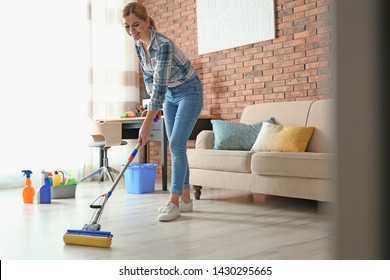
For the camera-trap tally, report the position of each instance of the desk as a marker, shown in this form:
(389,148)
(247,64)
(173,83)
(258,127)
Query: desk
(130,129)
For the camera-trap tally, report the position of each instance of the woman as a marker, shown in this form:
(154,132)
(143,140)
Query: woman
(174,86)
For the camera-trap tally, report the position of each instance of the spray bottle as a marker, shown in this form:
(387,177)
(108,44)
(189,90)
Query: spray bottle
(44,193)
(28,191)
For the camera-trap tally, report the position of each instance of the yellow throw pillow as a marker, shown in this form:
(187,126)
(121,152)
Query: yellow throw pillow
(282,138)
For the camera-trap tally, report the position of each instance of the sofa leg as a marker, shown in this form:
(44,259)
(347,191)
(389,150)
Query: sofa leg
(197,191)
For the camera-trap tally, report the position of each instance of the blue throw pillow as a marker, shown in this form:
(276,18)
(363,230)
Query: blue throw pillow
(235,136)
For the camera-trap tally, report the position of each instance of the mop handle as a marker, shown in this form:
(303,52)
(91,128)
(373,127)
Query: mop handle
(108,194)
(131,158)
(117,179)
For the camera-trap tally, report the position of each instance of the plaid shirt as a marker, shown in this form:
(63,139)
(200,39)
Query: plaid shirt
(168,67)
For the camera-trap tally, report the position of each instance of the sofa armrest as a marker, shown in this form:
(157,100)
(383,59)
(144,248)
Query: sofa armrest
(205,140)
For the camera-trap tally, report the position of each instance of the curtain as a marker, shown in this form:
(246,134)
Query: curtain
(113,73)
(46,92)
(43,85)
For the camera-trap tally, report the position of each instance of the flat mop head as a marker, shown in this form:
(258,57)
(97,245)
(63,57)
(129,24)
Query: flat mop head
(91,238)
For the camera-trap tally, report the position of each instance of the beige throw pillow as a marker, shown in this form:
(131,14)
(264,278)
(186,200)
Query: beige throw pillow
(282,138)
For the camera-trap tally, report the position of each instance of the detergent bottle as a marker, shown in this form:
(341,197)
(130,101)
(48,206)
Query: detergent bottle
(28,191)
(56,179)
(44,193)
(62,177)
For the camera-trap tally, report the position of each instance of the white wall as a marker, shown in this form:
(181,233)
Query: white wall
(224,24)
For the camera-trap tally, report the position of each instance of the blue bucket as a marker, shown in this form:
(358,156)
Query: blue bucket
(140,178)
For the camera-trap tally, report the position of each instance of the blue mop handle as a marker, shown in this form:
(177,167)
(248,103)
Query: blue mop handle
(131,158)
(109,193)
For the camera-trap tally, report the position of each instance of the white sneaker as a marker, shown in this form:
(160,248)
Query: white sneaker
(186,206)
(183,206)
(169,212)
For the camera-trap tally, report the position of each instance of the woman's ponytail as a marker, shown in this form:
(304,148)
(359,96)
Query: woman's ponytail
(152,23)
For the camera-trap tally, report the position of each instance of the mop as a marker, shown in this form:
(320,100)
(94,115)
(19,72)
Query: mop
(91,235)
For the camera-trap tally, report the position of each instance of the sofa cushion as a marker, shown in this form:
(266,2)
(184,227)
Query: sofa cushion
(235,136)
(309,165)
(286,113)
(283,138)
(221,160)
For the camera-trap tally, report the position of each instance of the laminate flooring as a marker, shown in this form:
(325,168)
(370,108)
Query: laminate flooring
(224,225)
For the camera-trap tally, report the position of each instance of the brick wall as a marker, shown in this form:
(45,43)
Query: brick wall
(294,66)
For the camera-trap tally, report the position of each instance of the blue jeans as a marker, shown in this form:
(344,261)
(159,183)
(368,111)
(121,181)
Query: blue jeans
(182,107)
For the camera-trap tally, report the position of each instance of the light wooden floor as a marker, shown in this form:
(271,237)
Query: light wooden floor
(224,225)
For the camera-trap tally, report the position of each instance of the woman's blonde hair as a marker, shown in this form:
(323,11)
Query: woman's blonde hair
(140,11)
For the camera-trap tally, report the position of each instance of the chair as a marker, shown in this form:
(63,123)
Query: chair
(105,135)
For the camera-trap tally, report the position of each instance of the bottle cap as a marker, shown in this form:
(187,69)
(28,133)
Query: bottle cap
(27,173)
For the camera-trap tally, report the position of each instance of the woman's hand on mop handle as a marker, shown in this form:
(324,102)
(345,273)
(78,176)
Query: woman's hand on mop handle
(144,132)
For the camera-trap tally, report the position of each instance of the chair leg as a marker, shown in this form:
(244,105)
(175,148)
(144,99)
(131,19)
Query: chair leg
(92,174)
(105,170)
(113,170)
(108,173)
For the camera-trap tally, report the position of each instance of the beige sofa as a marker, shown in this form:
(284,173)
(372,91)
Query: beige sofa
(306,175)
